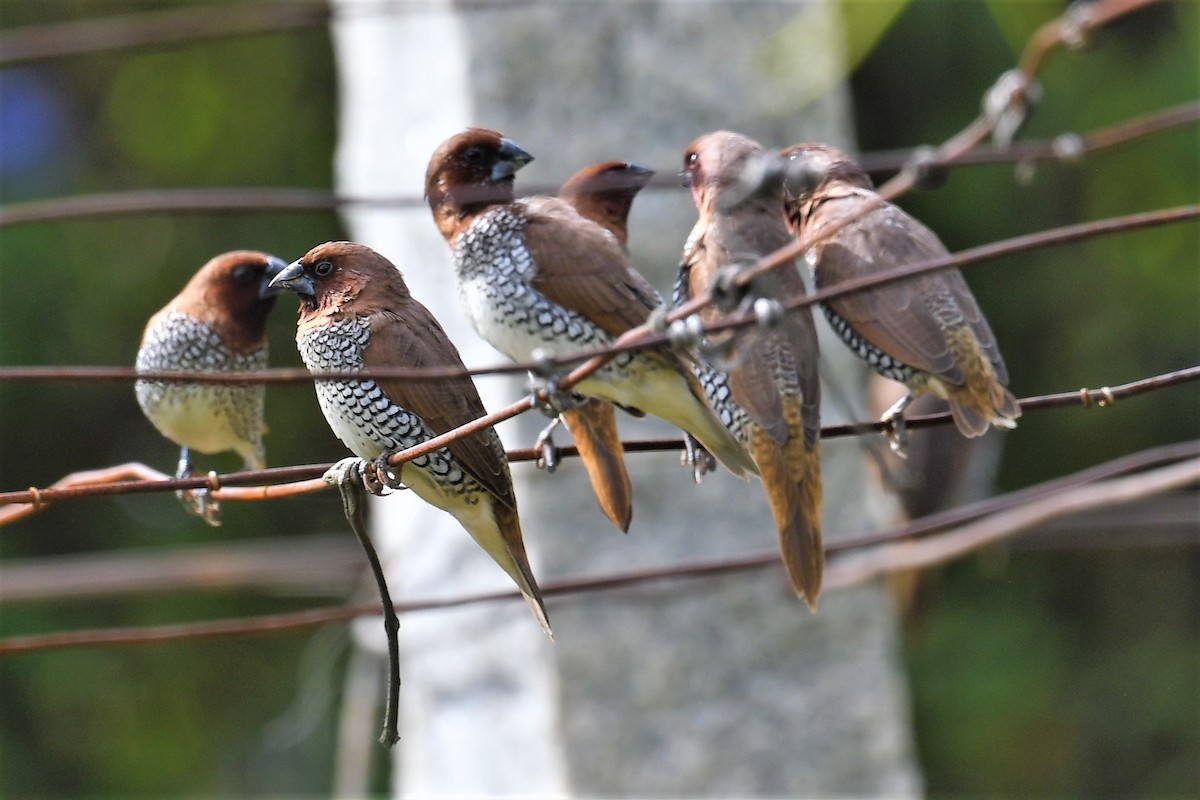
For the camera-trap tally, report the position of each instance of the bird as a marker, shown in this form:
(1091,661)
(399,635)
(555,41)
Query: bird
(926,332)
(604,193)
(217,323)
(538,279)
(770,393)
(356,313)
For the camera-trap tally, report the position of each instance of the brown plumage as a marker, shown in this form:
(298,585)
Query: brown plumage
(536,276)
(604,193)
(926,332)
(773,397)
(217,323)
(356,313)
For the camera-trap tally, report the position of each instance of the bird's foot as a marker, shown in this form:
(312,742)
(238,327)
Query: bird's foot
(352,470)
(695,456)
(201,503)
(547,457)
(555,400)
(198,502)
(384,474)
(897,430)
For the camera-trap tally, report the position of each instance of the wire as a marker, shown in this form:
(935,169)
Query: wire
(1066,147)
(308,480)
(1156,471)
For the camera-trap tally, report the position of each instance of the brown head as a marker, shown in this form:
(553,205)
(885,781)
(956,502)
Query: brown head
(338,277)
(469,172)
(812,168)
(604,193)
(233,296)
(725,169)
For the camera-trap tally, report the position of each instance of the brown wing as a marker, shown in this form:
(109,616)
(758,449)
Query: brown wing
(906,320)
(580,266)
(783,361)
(411,337)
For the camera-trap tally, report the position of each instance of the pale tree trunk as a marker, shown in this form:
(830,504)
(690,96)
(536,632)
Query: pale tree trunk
(718,687)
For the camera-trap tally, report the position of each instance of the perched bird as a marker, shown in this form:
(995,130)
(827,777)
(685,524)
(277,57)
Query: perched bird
(536,278)
(604,194)
(772,399)
(926,332)
(218,323)
(356,313)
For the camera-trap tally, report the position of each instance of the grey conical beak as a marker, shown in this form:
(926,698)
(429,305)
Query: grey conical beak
(268,288)
(512,158)
(292,277)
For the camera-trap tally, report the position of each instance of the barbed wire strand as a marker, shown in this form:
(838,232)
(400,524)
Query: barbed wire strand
(1009,515)
(964,258)
(1067,147)
(251,485)
(319,564)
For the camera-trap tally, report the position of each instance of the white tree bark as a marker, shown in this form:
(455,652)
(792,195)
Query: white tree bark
(714,687)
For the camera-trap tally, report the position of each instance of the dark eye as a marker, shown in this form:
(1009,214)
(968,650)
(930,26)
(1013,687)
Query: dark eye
(323,268)
(243,273)
(691,162)
(473,156)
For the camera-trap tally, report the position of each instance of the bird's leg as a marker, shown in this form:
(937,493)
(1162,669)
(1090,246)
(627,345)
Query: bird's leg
(556,402)
(547,458)
(695,456)
(196,501)
(894,417)
(348,476)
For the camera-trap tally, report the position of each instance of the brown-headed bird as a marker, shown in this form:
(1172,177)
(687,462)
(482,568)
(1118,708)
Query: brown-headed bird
(217,323)
(926,332)
(771,395)
(604,193)
(356,313)
(537,278)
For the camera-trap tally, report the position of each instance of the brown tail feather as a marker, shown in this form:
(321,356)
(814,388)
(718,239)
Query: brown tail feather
(594,428)
(518,569)
(791,476)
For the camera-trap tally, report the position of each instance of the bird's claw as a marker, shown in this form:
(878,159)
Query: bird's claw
(201,503)
(555,400)
(695,456)
(352,470)
(198,502)
(897,430)
(383,475)
(547,457)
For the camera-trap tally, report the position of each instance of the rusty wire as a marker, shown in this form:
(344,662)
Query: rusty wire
(273,483)
(1152,471)
(1067,147)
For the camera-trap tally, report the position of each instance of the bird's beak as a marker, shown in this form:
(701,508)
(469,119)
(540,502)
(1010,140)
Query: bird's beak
(268,287)
(512,158)
(638,175)
(292,277)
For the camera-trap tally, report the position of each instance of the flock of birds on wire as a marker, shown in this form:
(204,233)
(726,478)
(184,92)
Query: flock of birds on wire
(551,276)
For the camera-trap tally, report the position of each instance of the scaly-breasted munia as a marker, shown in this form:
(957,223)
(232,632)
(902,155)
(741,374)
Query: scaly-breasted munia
(773,397)
(535,277)
(926,332)
(217,323)
(356,313)
(604,194)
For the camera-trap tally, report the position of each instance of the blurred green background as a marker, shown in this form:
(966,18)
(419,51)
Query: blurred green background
(1069,670)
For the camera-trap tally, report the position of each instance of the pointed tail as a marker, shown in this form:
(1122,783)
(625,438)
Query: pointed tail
(791,476)
(594,428)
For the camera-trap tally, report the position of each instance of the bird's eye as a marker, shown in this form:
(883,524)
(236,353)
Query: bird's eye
(323,268)
(691,162)
(473,156)
(243,273)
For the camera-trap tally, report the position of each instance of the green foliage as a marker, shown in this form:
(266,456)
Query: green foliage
(1062,674)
